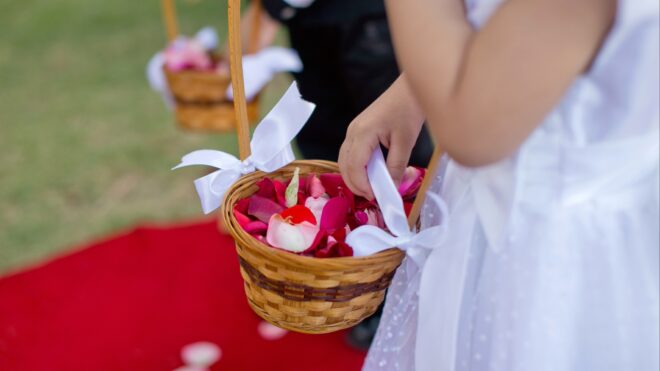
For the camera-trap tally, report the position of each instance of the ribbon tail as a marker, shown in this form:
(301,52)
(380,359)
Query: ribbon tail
(282,158)
(387,195)
(368,240)
(276,131)
(211,188)
(157,80)
(209,157)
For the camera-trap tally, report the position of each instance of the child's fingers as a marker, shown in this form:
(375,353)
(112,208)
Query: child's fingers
(398,156)
(353,159)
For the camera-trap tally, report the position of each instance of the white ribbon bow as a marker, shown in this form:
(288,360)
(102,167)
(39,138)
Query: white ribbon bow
(368,239)
(270,147)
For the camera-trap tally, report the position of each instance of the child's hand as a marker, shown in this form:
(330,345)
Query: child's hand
(393,120)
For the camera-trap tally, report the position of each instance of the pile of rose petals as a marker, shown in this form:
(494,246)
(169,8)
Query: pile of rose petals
(311,215)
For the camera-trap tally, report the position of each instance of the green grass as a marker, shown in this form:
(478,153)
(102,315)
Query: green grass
(85,145)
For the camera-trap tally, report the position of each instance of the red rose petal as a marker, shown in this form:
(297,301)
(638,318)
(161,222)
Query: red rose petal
(407,206)
(320,240)
(344,249)
(263,208)
(266,188)
(339,234)
(280,190)
(242,205)
(299,214)
(332,183)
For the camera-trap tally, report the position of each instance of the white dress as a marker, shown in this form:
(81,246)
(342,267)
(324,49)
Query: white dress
(551,261)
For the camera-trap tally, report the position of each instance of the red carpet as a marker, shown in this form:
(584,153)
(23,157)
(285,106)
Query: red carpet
(133,301)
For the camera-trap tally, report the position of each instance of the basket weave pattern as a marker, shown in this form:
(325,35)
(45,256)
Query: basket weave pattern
(300,293)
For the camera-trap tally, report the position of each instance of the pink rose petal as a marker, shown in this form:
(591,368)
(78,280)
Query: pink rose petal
(315,187)
(375,218)
(411,181)
(334,213)
(316,205)
(270,332)
(263,208)
(242,219)
(361,217)
(256,227)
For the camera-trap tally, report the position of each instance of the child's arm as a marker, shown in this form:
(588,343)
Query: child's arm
(485,91)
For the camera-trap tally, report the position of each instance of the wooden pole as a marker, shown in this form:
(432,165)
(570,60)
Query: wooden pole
(169,17)
(431,172)
(236,68)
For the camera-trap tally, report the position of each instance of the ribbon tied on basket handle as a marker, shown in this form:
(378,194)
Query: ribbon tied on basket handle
(368,239)
(270,147)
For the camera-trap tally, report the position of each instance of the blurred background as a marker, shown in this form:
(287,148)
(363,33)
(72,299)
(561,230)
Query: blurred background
(85,144)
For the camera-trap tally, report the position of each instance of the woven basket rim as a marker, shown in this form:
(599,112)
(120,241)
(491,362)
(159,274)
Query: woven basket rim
(281,255)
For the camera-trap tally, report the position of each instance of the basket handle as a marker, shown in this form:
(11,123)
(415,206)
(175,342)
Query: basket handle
(236,71)
(172,25)
(431,172)
(169,17)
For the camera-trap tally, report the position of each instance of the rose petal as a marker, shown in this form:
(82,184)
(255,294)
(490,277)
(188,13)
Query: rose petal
(411,181)
(332,183)
(334,214)
(291,193)
(315,187)
(241,218)
(320,241)
(263,208)
(201,354)
(299,214)
(242,205)
(344,249)
(256,227)
(302,198)
(266,188)
(375,217)
(316,205)
(296,238)
(407,206)
(280,190)
(340,234)
(270,332)
(361,217)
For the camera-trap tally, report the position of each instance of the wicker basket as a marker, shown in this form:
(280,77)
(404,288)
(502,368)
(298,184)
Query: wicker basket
(306,294)
(299,293)
(200,102)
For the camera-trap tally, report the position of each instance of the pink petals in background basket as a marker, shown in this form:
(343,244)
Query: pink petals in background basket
(311,215)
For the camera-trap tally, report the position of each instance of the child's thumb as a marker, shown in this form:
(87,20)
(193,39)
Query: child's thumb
(397,161)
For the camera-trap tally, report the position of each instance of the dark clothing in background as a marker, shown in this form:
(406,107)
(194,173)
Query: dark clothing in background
(348,61)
